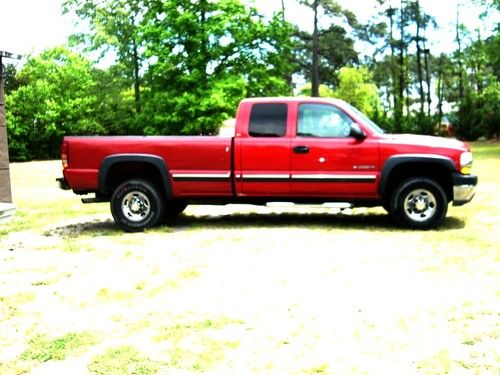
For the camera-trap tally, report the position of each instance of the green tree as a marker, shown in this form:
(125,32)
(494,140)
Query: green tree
(357,88)
(272,75)
(478,107)
(56,98)
(420,69)
(116,106)
(492,46)
(475,88)
(10,80)
(324,91)
(208,56)
(326,49)
(388,32)
(114,25)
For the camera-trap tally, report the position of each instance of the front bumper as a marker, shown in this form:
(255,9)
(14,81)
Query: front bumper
(464,188)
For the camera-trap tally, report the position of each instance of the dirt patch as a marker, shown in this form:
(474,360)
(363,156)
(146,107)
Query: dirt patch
(240,289)
(285,293)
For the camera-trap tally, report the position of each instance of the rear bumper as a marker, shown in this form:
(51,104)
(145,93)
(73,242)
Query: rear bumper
(464,188)
(63,184)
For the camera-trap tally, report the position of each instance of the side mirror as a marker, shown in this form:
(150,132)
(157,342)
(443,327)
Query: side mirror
(357,132)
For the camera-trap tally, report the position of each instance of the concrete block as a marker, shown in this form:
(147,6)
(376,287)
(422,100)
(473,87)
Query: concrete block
(7,210)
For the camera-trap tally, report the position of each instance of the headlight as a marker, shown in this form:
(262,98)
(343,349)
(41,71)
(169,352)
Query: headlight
(466,162)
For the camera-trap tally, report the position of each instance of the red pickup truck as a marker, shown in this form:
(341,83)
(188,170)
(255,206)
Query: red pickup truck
(301,150)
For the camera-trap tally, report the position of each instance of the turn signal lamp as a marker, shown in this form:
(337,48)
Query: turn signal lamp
(64,155)
(466,162)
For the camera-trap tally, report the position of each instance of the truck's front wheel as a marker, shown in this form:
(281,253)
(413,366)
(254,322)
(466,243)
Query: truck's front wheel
(419,203)
(136,205)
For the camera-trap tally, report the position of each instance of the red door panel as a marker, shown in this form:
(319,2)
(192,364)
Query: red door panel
(265,167)
(262,156)
(326,161)
(334,167)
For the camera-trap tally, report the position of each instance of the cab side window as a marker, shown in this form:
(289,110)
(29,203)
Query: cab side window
(268,120)
(322,120)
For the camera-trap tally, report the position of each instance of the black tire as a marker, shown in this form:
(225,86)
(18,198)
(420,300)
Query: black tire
(419,203)
(136,205)
(174,208)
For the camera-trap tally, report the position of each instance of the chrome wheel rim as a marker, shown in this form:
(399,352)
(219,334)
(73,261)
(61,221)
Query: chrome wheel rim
(420,205)
(136,206)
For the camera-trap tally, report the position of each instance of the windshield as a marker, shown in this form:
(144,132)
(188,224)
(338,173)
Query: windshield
(370,123)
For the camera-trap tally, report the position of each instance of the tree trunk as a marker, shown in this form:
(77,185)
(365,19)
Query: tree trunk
(440,90)
(420,74)
(137,87)
(395,102)
(460,68)
(428,80)
(479,66)
(204,42)
(315,54)
(288,56)
(459,50)
(401,82)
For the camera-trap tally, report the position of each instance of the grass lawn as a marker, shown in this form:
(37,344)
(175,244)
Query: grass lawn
(240,289)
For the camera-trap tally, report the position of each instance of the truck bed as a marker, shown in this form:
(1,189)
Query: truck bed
(197,164)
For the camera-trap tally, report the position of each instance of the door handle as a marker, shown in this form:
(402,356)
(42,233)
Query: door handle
(301,149)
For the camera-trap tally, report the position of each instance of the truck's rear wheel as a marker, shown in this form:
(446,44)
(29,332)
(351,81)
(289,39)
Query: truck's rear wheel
(136,205)
(419,203)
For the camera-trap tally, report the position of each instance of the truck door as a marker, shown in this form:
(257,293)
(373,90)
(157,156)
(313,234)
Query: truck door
(325,160)
(262,159)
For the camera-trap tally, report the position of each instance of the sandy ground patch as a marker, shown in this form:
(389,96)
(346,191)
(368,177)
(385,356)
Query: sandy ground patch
(295,299)
(245,290)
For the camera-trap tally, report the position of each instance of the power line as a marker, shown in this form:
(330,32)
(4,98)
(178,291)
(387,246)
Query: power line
(10,55)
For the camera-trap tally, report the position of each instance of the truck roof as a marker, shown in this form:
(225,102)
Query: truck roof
(294,99)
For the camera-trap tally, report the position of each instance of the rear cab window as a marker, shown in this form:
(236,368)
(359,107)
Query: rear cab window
(268,120)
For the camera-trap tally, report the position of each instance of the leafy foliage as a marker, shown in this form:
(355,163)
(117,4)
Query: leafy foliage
(181,67)
(189,62)
(323,51)
(113,25)
(357,88)
(11,82)
(209,55)
(479,114)
(411,78)
(56,98)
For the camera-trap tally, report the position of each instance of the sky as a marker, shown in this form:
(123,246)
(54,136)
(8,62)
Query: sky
(30,26)
(444,11)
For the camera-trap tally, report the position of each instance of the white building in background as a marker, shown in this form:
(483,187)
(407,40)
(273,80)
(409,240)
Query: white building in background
(228,128)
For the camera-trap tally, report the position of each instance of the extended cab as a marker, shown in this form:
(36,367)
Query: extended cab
(302,150)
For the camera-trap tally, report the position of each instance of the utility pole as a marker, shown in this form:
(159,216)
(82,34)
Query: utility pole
(6,206)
